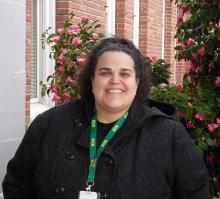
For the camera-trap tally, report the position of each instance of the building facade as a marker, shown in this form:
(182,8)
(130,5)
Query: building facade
(150,24)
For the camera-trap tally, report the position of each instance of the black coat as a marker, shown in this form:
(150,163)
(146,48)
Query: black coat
(151,157)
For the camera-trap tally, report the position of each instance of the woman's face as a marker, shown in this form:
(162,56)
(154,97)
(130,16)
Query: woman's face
(114,84)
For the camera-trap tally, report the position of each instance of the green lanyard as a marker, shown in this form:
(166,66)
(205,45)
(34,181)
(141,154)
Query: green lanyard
(94,156)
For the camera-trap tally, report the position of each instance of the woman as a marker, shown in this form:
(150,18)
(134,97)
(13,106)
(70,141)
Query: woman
(112,143)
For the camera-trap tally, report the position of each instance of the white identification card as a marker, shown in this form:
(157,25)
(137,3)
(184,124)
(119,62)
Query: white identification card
(88,195)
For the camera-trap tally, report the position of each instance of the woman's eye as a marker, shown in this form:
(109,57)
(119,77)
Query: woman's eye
(125,74)
(105,73)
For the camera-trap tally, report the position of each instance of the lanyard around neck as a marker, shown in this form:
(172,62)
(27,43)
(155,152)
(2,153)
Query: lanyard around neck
(94,155)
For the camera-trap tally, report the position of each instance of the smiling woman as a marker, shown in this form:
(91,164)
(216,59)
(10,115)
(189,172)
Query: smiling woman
(114,85)
(113,143)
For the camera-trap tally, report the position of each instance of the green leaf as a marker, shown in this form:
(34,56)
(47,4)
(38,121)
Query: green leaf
(209,141)
(203,145)
(200,151)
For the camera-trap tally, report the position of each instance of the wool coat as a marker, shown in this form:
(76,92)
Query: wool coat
(151,157)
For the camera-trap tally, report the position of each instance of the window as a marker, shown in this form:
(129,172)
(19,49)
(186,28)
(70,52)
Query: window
(43,16)
(110,17)
(34,49)
(136,22)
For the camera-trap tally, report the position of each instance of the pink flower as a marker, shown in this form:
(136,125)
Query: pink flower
(210,64)
(69,80)
(56,98)
(189,125)
(217,81)
(70,65)
(81,61)
(181,114)
(179,87)
(182,8)
(190,42)
(193,66)
(154,59)
(59,31)
(61,58)
(180,20)
(75,41)
(201,51)
(215,142)
(180,44)
(66,97)
(84,19)
(211,23)
(218,120)
(200,116)
(219,38)
(218,28)
(53,88)
(61,69)
(212,127)
(62,49)
(75,28)
(194,55)
(94,36)
(56,39)
(69,32)
(210,158)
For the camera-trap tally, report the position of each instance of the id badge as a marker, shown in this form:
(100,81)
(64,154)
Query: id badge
(89,195)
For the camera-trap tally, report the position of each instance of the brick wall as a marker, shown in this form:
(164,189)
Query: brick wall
(94,10)
(170,24)
(151,27)
(124,21)
(28,61)
(181,68)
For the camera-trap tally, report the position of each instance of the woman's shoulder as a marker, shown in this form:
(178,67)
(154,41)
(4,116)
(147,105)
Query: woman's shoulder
(73,106)
(59,113)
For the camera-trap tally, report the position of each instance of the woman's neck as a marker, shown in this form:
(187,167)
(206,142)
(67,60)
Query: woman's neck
(105,116)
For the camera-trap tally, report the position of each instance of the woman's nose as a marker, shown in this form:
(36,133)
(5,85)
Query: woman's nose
(115,79)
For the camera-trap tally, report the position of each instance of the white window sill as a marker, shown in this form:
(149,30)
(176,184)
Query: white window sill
(1,195)
(37,108)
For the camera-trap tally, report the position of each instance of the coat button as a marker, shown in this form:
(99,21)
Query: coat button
(78,122)
(104,196)
(59,190)
(109,161)
(70,156)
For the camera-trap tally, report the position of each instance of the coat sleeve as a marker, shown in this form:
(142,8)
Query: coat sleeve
(21,168)
(191,176)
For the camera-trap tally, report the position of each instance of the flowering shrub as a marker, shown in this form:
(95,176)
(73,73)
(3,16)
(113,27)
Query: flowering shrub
(69,47)
(198,99)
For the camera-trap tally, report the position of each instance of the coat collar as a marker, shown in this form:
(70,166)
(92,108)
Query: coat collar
(138,115)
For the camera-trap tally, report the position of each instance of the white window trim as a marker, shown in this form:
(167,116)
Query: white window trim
(136,18)
(47,65)
(110,18)
(36,100)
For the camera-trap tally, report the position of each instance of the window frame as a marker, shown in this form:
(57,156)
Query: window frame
(46,14)
(110,17)
(136,19)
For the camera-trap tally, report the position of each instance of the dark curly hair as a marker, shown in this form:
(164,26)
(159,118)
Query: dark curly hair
(114,44)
